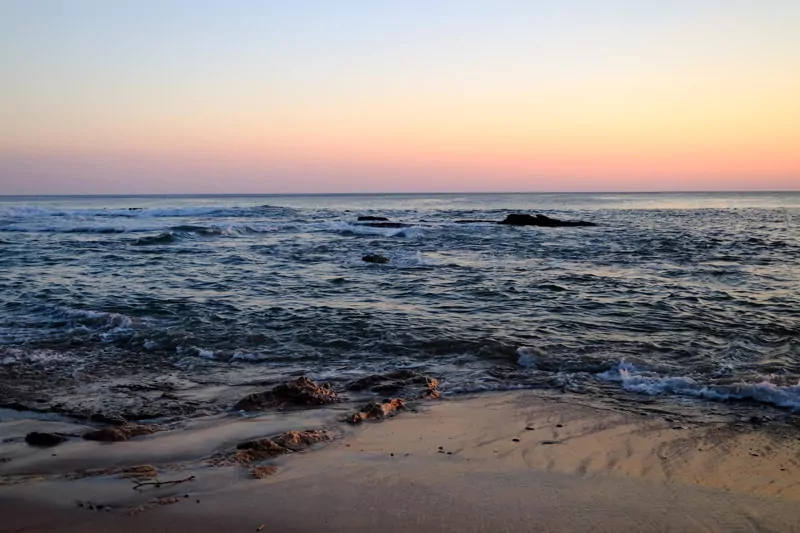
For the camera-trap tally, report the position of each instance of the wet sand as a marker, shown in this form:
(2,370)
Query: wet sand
(521,461)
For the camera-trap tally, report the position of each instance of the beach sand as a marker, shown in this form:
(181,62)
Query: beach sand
(496,462)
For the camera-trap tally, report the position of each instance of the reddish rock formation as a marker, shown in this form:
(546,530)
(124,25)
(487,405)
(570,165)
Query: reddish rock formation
(377,410)
(261,472)
(269,447)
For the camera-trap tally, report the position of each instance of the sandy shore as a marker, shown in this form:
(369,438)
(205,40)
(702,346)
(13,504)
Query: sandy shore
(521,461)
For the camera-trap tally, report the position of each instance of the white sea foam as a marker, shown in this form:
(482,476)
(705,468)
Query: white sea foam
(10,356)
(527,356)
(360,229)
(196,351)
(241,356)
(150,345)
(115,321)
(206,354)
(651,383)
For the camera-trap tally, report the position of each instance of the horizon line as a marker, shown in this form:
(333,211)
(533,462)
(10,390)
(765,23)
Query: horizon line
(395,193)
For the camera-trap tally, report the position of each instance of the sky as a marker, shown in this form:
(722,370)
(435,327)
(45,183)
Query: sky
(308,96)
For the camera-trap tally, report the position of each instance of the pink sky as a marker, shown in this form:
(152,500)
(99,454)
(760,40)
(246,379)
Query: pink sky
(236,98)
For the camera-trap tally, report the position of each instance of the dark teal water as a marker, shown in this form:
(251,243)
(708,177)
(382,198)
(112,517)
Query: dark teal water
(689,294)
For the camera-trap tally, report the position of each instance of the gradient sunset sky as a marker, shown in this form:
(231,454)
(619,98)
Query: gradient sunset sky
(114,96)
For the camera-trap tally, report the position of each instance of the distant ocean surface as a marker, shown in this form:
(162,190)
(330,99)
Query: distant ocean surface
(695,295)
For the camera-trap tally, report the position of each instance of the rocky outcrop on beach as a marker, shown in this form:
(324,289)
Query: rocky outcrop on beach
(265,448)
(375,258)
(376,410)
(408,383)
(301,392)
(263,471)
(519,219)
(120,433)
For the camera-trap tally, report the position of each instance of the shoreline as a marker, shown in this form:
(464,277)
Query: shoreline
(488,462)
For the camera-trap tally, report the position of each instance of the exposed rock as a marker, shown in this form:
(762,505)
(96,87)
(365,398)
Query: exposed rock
(375,258)
(120,433)
(369,218)
(518,219)
(261,472)
(44,440)
(266,448)
(301,440)
(398,380)
(260,449)
(291,441)
(302,391)
(376,410)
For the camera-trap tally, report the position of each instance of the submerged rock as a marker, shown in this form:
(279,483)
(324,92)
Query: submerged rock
(44,440)
(518,219)
(376,410)
(120,433)
(370,218)
(375,258)
(302,391)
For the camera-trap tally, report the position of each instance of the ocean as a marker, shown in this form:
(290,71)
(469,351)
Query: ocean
(155,304)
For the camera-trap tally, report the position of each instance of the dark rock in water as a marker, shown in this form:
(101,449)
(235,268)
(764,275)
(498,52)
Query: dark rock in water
(376,410)
(396,381)
(517,219)
(120,433)
(369,218)
(375,258)
(303,391)
(385,224)
(44,440)
(759,420)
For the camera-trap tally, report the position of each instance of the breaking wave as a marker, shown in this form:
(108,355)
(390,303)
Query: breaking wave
(651,383)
